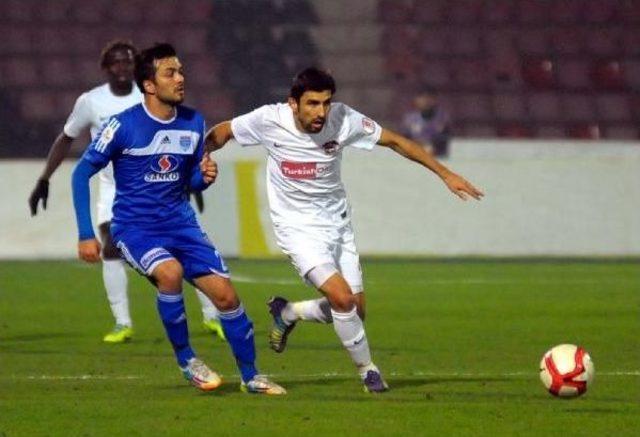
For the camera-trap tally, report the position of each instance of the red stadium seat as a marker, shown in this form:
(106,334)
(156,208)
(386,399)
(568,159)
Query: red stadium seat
(464,11)
(532,12)
(38,106)
(479,130)
(533,42)
(584,131)
(605,42)
(430,12)
(544,107)
(509,107)
(471,75)
(514,130)
(20,11)
(164,12)
(565,11)
(578,107)
(475,107)
(198,11)
(432,42)
(539,73)
(601,11)
(21,72)
(567,40)
(436,73)
(498,12)
(17,39)
(464,42)
(573,74)
(630,11)
(399,39)
(622,132)
(58,71)
(395,11)
(613,107)
(632,72)
(85,12)
(550,131)
(608,75)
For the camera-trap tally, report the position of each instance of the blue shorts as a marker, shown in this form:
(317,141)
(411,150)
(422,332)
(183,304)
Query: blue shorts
(144,249)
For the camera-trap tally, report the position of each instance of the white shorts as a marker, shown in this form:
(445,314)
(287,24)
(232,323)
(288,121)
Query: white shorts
(106,195)
(313,246)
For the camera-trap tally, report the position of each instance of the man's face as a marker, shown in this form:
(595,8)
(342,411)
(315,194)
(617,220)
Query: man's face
(312,111)
(168,83)
(119,67)
(425,102)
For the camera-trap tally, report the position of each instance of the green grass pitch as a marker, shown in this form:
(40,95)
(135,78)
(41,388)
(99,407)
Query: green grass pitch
(458,341)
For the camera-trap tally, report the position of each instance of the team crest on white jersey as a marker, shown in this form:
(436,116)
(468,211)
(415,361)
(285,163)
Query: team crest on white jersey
(331,147)
(368,125)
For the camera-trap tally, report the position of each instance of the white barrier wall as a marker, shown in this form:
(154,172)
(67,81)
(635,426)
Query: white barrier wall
(542,198)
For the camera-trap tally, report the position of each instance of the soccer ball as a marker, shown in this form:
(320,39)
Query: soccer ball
(566,371)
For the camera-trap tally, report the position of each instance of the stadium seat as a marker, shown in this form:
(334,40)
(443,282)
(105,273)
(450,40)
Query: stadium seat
(473,107)
(479,130)
(509,107)
(630,44)
(430,12)
(605,42)
(38,106)
(573,74)
(544,107)
(613,107)
(514,130)
(533,42)
(621,132)
(19,11)
(538,73)
(565,11)
(399,39)
(54,12)
(498,12)
(203,71)
(84,12)
(432,42)
(601,11)
(199,11)
(190,40)
(58,71)
(632,72)
(17,39)
(88,72)
(436,73)
(463,12)
(163,12)
(130,12)
(471,75)
(607,74)
(584,131)
(550,131)
(20,72)
(630,12)
(532,12)
(464,42)
(567,41)
(395,11)
(578,107)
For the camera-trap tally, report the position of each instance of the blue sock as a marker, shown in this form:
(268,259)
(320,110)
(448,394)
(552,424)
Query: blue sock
(239,332)
(174,319)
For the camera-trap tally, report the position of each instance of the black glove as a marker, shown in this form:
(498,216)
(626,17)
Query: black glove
(197,196)
(40,192)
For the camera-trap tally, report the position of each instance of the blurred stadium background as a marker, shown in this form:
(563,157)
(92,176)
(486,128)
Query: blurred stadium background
(544,98)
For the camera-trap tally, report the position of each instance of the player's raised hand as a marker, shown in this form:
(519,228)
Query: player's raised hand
(40,192)
(89,250)
(209,169)
(461,187)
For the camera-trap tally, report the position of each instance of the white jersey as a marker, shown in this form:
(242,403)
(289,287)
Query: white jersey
(92,109)
(304,186)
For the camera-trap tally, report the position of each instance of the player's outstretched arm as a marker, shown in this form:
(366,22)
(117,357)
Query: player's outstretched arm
(415,152)
(59,150)
(218,136)
(88,245)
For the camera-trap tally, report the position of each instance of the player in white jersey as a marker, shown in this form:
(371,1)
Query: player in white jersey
(311,216)
(91,110)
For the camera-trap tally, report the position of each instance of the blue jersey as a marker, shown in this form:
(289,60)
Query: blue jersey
(154,161)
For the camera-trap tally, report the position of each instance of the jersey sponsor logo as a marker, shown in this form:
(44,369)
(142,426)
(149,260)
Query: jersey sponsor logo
(166,140)
(368,126)
(153,255)
(107,135)
(163,170)
(303,170)
(331,147)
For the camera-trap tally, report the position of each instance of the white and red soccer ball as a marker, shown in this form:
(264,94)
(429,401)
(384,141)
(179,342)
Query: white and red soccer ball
(566,371)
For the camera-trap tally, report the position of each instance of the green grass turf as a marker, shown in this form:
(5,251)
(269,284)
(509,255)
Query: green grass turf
(459,342)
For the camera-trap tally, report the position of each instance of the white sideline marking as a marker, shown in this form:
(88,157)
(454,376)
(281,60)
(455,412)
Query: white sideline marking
(323,375)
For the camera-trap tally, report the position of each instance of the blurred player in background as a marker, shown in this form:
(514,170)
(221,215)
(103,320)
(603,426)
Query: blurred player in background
(428,123)
(311,216)
(158,156)
(91,110)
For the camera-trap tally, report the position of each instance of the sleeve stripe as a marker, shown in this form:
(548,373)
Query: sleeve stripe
(107,134)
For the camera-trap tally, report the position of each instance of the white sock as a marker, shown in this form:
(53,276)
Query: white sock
(350,330)
(209,311)
(316,310)
(114,275)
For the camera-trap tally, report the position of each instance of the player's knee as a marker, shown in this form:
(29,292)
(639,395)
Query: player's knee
(342,302)
(168,275)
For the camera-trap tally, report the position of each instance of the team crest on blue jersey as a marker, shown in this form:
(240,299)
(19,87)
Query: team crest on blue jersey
(163,170)
(185,142)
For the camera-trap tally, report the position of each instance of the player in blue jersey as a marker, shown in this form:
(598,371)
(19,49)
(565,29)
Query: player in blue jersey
(157,153)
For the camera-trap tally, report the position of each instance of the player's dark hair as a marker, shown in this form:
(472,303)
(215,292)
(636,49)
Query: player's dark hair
(145,62)
(114,46)
(311,79)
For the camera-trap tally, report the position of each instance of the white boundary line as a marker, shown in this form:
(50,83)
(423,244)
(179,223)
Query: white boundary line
(327,375)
